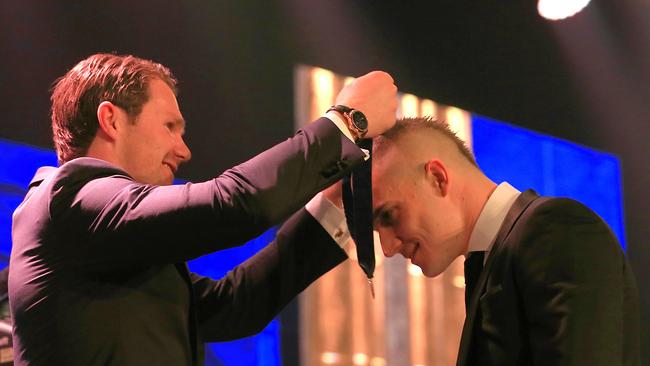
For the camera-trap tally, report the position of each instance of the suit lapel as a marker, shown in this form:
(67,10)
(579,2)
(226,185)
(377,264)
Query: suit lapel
(518,207)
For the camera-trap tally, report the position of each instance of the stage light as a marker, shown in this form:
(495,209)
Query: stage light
(560,9)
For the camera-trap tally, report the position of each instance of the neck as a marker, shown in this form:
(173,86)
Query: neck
(102,149)
(475,196)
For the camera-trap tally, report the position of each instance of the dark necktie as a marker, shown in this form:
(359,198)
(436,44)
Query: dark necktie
(357,202)
(473,267)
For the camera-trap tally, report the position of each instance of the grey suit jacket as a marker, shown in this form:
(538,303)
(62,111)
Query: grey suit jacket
(97,272)
(555,290)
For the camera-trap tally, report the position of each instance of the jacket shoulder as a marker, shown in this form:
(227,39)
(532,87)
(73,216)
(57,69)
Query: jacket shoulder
(56,187)
(563,234)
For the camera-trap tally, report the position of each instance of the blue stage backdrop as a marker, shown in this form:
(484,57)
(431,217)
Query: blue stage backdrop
(550,166)
(525,159)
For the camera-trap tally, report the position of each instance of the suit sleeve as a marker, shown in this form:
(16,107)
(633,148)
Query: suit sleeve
(111,221)
(251,295)
(571,274)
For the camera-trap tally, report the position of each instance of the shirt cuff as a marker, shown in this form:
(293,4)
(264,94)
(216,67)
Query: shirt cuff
(340,123)
(331,218)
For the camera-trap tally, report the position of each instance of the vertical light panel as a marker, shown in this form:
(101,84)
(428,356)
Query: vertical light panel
(459,121)
(322,90)
(409,106)
(428,107)
(418,324)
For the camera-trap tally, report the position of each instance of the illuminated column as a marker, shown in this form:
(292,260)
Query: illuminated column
(367,314)
(428,108)
(419,327)
(409,106)
(439,330)
(322,91)
(397,312)
(460,122)
(453,308)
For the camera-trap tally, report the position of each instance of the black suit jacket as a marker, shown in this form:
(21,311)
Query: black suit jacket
(97,273)
(556,290)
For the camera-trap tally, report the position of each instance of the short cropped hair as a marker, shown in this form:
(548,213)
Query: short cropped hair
(415,124)
(121,80)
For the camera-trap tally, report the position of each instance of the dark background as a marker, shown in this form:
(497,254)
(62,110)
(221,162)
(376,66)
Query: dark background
(586,79)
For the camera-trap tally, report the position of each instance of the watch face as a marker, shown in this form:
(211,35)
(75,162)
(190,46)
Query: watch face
(359,120)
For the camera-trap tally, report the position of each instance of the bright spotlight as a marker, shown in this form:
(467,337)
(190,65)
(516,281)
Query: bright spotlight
(560,9)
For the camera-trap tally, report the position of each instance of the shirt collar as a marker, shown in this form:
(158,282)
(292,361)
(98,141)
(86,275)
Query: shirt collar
(491,218)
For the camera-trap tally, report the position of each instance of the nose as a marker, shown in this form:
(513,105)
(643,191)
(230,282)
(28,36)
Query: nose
(182,150)
(390,243)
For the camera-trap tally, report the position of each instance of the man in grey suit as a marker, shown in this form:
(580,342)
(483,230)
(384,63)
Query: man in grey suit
(546,280)
(97,271)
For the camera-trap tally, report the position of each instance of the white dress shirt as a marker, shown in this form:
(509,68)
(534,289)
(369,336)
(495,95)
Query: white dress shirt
(491,218)
(332,218)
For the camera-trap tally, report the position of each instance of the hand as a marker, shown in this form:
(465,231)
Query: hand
(375,95)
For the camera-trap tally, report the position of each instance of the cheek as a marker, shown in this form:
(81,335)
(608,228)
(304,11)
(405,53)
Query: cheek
(423,219)
(157,147)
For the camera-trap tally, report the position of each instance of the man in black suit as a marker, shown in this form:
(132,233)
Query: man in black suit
(555,287)
(98,274)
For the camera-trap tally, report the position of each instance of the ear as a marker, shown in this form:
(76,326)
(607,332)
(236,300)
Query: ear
(107,116)
(436,173)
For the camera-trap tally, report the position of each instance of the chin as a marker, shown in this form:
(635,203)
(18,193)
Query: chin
(165,180)
(430,272)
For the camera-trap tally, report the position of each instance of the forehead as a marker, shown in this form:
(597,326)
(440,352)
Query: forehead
(161,104)
(389,173)
(161,96)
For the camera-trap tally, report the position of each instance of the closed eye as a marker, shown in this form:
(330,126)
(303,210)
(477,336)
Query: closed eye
(385,217)
(177,126)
